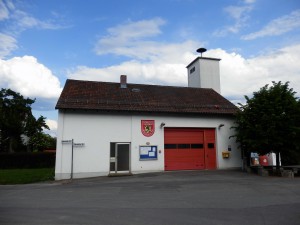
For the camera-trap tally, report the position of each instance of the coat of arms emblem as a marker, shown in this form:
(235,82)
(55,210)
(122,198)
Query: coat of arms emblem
(147,127)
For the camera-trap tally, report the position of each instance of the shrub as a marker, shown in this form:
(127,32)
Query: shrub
(27,160)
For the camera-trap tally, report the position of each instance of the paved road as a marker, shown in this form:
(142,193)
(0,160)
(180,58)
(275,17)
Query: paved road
(183,198)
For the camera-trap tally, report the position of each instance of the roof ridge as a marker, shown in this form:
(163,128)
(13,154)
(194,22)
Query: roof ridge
(152,85)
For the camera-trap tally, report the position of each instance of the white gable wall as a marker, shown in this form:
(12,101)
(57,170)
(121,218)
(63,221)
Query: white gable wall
(97,131)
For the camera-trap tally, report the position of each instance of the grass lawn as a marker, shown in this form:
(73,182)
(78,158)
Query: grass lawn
(25,176)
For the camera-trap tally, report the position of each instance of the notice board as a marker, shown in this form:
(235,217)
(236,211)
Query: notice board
(148,152)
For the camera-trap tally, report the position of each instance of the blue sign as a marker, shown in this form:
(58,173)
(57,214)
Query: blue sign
(148,152)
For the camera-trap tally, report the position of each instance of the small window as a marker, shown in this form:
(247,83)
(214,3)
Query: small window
(192,70)
(170,146)
(196,145)
(112,149)
(211,145)
(184,146)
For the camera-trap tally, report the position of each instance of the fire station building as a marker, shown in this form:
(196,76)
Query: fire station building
(109,128)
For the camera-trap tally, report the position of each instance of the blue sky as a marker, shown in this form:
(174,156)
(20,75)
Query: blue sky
(43,43)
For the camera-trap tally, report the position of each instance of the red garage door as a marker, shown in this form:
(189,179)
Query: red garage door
(189,149)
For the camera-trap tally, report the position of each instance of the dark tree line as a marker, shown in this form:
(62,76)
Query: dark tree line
(19,129)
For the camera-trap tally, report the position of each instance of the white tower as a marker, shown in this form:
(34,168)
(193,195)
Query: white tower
(204,72)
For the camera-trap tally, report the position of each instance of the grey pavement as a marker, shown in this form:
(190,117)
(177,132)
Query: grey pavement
(183,198)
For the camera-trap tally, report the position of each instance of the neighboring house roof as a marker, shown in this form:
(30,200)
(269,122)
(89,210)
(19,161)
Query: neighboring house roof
(106,96)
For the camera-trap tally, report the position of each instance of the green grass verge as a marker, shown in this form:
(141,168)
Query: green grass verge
(25,176)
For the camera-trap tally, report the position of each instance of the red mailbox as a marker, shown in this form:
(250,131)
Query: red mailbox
(263,160)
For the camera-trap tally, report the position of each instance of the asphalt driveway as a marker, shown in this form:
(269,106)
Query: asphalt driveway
(185,197)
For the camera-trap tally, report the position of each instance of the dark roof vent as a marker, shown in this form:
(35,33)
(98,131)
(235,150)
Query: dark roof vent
(135,90)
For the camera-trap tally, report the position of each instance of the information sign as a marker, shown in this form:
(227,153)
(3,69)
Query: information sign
(148,152)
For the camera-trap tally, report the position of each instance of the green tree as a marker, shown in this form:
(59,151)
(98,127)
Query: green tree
(16,119)
(269,122)
(40,141)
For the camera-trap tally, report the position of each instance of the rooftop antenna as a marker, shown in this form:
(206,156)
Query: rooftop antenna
(201,50)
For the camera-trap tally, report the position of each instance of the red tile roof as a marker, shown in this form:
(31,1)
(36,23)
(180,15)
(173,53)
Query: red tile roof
(106,96)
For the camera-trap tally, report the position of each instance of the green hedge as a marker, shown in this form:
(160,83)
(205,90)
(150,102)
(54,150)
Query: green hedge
(27,160)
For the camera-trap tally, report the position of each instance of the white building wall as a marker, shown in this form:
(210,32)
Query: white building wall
(97,131)
(138,139)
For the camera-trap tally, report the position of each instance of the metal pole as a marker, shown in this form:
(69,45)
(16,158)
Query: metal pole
(72,161)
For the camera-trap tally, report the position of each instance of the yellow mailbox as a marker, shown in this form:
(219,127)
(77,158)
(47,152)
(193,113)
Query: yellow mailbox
(225,155)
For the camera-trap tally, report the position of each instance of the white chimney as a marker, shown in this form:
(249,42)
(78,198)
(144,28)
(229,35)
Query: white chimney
(204,73)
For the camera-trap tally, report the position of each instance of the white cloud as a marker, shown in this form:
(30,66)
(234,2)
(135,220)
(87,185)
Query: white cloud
(250,1)
(28,77)
(166,63)
(277,27)
(126,40)
(237,12)
(137,72)
(16,21)
(239,76)
(52,124)
(7,45)
(240,15)
(24,21)
(129,40)
(151,58)
(136,30)
(4,13)
(20,20)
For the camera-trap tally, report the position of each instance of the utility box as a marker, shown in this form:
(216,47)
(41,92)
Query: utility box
(254,161)
(271,157)
(225,155)
(263,160)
